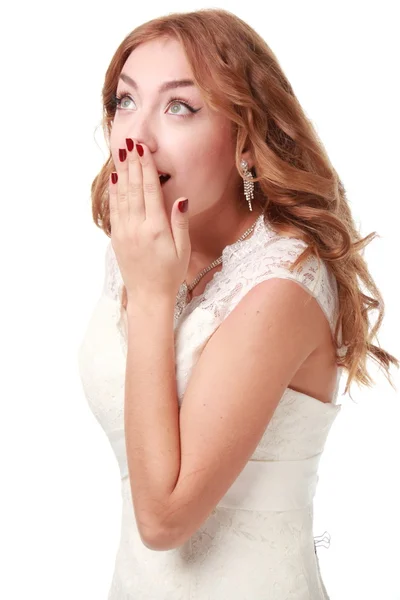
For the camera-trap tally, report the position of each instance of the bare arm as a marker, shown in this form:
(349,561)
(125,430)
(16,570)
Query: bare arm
(151,412)
(183,462)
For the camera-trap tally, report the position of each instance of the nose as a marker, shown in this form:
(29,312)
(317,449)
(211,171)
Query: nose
(142,132)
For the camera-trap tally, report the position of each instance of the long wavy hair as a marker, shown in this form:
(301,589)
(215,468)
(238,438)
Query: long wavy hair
(296,185)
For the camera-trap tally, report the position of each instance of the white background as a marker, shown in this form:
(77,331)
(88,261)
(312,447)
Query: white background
(60,502)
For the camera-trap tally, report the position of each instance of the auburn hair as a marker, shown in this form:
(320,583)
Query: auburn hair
(295,183)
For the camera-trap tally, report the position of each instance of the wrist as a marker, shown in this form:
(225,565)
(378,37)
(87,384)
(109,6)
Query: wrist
(151,307)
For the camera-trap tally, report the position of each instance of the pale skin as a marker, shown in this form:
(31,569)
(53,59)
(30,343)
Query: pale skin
(276,337)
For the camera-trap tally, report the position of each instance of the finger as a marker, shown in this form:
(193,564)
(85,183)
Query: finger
(122,185)
(137,207)
(153,196)
(113,202)
(180,228)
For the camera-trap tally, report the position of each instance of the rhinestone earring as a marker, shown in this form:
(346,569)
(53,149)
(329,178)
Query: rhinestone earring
(248,183)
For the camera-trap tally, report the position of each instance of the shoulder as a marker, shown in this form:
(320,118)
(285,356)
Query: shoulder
(273,256)
(278,257)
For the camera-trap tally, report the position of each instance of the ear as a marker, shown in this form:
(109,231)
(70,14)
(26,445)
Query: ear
(248,157)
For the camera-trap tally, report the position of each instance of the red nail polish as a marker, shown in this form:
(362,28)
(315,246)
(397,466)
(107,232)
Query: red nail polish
(114,177)
(129,144)
(140,150)
(122,154)
(183,205)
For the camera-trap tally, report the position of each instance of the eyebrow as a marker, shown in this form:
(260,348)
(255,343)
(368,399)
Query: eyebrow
(168,85)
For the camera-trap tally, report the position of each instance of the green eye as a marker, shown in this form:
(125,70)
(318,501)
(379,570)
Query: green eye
(117,102)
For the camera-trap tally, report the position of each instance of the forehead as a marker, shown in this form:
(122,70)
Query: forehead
(162,58)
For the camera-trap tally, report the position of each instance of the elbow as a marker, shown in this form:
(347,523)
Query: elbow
(159,539)
(165,532)
(161,536)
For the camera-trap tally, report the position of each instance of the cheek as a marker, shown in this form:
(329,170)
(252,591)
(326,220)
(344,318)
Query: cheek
(217,148)
(117,140)
(200,158)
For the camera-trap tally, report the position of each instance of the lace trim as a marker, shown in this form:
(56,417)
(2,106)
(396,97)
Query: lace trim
(266,255)
(113,282)
(245,263)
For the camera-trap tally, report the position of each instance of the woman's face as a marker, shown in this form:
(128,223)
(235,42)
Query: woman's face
(196,149)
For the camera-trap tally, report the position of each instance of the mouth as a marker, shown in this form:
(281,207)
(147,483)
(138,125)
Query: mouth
(164,178)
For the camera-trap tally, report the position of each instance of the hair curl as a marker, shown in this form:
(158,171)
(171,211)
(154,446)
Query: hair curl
(295,183)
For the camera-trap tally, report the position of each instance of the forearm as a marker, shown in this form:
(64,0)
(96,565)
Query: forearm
(151,410)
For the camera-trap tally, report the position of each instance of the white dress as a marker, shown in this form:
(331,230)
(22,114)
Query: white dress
(257,544)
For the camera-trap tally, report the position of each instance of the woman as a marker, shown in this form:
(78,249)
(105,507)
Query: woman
(214,356)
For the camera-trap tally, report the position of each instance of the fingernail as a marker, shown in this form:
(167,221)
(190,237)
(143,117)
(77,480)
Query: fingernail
(129,144)
(140,150)
(114,177)
(122,154)
(183,205)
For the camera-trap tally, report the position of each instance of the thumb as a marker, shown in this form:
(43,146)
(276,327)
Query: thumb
(180,226)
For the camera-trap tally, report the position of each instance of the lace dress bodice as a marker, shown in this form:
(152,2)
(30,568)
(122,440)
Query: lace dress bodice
(258,541)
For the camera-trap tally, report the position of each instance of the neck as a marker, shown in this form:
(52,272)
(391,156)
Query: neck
(210,234)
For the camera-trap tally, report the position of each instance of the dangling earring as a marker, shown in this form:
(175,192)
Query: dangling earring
(248,183)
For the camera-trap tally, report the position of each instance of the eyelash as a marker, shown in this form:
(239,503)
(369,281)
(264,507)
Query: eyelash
(117,99)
